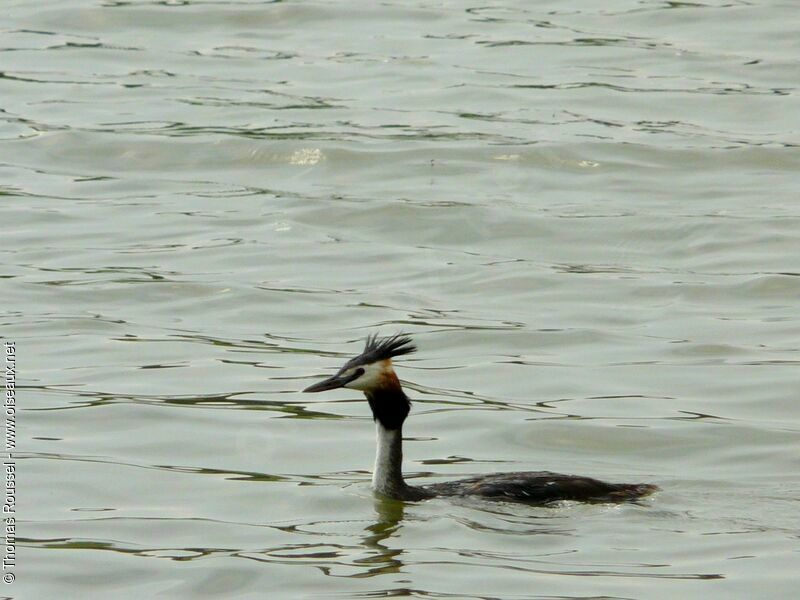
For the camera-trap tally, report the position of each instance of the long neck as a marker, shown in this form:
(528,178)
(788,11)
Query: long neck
(387,478)
(390,407)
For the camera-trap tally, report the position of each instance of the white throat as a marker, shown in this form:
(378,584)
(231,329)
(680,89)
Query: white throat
(388,476)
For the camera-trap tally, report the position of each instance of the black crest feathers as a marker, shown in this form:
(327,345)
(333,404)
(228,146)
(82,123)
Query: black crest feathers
(384,348)
(388,347)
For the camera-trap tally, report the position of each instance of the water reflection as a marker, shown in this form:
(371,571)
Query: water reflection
(384,559)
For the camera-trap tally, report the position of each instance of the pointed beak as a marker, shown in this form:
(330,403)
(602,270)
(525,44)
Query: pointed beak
(331,383)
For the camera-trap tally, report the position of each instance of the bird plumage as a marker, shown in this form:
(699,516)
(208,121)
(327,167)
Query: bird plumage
(372,373)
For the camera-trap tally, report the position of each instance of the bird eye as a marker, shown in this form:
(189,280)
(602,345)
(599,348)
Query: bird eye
(358,372)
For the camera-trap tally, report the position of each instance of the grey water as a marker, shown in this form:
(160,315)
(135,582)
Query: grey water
(585,213)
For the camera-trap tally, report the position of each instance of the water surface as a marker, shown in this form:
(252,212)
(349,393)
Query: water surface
(586,215)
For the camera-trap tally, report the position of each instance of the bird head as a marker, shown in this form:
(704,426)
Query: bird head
(371,370)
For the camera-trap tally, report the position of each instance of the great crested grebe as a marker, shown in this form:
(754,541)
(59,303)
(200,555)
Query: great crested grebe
(371,372)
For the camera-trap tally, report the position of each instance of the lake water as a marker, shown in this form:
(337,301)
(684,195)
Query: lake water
(586,214)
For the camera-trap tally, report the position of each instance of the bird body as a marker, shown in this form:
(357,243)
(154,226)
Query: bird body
(372,373)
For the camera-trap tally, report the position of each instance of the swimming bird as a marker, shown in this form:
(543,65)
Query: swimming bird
(372,373)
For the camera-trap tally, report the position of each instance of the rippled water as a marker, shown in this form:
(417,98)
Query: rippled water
(585,213)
